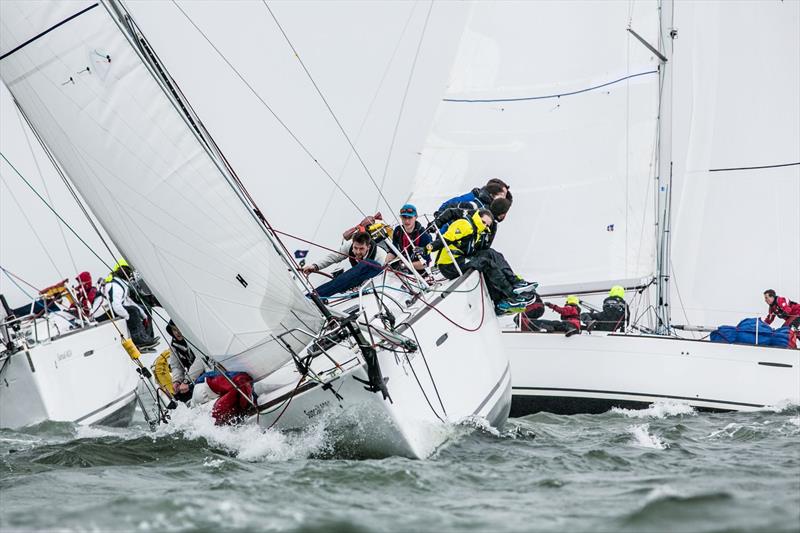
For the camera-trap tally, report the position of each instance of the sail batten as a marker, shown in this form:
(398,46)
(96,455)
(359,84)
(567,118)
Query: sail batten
(164,199)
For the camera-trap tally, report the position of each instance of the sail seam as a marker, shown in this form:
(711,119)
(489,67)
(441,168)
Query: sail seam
(48,30)
(545,97)
(780,165)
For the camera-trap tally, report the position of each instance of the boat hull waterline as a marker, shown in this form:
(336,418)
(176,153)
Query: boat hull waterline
(595,373)
(84,377)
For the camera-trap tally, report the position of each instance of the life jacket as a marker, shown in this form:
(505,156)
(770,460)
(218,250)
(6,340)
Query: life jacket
(410,241)
(373,249)
(183,352)
(85,291)
(569,313)
(470,197)
(127,301)
(784,308)
(463,237)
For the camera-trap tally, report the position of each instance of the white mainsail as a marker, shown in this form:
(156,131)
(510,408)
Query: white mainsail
(584,162)
(581,165)
(147,177)
(736,105)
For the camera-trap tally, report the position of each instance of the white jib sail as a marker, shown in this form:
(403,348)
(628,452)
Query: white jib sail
(149,181)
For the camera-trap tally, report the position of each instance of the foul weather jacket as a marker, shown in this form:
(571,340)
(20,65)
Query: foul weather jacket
(569,313)
(614,315)
(477,198)
(376,254)
(463,238)
(783,308)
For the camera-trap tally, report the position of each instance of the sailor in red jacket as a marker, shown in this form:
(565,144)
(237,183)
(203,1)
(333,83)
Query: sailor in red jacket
(570,317)
(783,308)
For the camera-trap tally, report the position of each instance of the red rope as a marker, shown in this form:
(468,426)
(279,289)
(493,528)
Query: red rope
(385,267)
(399,274)
(20,279)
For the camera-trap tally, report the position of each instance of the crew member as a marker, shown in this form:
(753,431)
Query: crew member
(465,240)
(528,320)
(570,317)
(119,298)
(783,308)
(410,239)
(366,261)
(235,391)
(499,209)
(184,364)
(615,313)
(479,197)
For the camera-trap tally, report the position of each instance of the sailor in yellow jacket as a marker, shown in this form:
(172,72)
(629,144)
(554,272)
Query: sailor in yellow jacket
(466,245)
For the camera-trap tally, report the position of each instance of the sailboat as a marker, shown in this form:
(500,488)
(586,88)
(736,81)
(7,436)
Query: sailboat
(648,146)
(388,370)
(55,365)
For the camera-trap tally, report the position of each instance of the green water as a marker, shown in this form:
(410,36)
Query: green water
(666,468)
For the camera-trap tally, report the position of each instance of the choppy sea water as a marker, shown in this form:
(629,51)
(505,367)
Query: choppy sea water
(666,468)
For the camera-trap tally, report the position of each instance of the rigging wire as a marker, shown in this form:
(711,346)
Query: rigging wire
(11,276)
(44,183)
(67,184)
(367,115)
(17,285)
(66,224)
(327,104)
(430,374)
(403,102)
(33,228)
(269,108)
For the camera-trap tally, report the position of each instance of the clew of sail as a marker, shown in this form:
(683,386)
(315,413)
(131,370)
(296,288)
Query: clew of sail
(163,198)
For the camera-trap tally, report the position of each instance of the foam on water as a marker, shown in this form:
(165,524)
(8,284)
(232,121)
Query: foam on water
(657,410)
(755,430)
(644,439)
(249,442)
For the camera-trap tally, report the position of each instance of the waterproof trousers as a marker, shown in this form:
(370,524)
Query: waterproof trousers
(605,321)
(231,404)
(350,279)
(556,325)
(494,267)
(136,328)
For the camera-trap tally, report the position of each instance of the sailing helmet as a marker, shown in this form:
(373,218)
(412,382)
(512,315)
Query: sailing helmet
(572,300)
(617,291)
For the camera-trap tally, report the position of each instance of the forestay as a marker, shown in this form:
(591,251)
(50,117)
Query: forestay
(581,165)
(735,232)
(151,183)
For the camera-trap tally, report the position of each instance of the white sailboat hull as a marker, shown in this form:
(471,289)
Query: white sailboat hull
(455,375)
(84,377)
(593,373)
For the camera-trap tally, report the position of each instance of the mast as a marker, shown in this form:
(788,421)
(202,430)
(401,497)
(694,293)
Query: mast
(667,34)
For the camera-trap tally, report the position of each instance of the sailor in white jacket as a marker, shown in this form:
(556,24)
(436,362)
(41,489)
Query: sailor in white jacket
(117,293)
(366,260)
